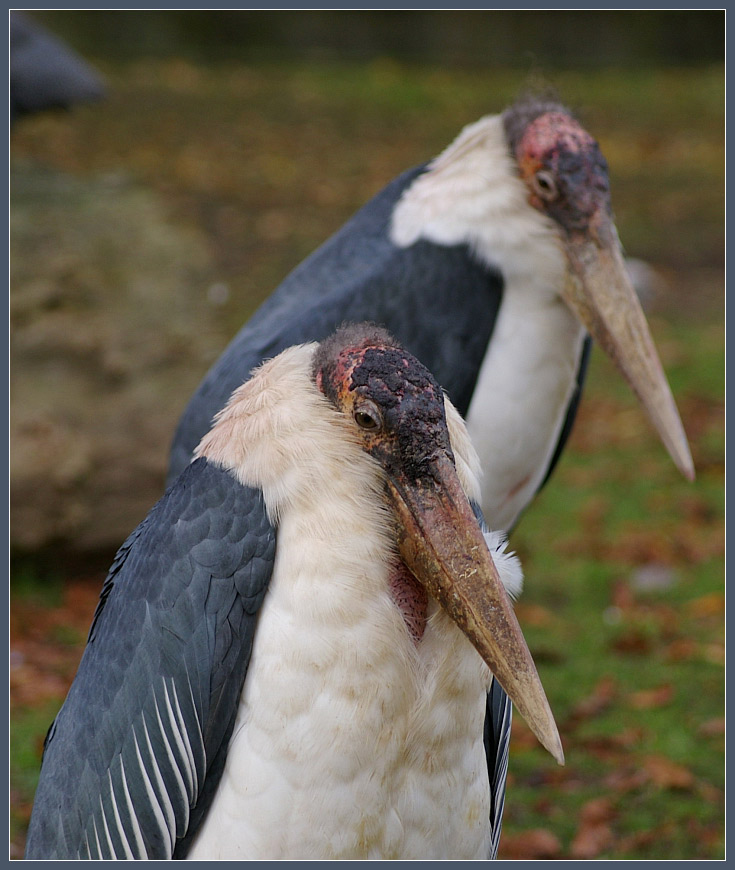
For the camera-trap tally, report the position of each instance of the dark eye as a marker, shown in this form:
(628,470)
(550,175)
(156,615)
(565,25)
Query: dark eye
(545,185)
(367,417)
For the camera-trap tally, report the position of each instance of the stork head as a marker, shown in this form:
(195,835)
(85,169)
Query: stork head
(396,411)
(567,180)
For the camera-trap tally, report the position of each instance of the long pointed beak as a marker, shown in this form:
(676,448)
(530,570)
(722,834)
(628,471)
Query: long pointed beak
(442,545)
(599,291)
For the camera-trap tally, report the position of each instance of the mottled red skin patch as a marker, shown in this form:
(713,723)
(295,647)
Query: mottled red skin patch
(553,131)
(410,598)
(558,144)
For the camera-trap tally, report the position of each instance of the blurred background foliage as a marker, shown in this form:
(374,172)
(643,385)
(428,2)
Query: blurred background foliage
(147,227)
(481,39)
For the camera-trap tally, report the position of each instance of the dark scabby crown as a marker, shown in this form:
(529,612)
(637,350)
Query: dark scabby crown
(366,356)
(354,336)
(524,111)
(367,359)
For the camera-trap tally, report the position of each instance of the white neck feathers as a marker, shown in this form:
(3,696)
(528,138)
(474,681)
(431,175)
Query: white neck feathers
(279,432)
(471,193)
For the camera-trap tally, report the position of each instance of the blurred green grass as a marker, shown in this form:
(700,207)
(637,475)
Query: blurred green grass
(610,511)
(268,161)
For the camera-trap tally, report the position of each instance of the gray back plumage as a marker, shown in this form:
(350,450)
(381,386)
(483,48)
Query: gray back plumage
(439,302)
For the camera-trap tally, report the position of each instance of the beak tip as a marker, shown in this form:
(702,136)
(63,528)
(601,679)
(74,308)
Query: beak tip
(684,462)
(602,296)
(552,744)
(559,755)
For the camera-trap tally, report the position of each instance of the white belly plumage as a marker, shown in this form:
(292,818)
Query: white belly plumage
(351,740)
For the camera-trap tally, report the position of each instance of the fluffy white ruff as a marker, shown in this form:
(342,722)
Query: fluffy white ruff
(508,564)
(313,438)
(471,193)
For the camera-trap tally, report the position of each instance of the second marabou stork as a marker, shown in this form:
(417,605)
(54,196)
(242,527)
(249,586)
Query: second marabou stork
(491,264)
(292,654)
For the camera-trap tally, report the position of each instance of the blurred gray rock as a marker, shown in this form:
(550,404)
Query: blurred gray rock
(110,331)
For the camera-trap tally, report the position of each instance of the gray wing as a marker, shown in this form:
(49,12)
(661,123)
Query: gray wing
(438,301)
(134,756)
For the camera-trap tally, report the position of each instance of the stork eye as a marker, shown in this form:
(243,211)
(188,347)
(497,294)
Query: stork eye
(544,184)
(368,418)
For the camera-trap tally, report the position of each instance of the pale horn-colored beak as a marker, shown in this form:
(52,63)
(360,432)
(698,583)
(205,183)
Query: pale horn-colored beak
(442,545)
(600,293)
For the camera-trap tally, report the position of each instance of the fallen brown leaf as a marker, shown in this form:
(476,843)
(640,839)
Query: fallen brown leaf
(533,614)
(536,843)
(628,738)
(709,836)
(594,833)
(632,642)
(680,650)
(590,841)
(641,546)
(666,773)
(649,699)
(610,747)
(634,842)
(713,653)
(521,737)
(706,606)
(593,514)
(710,793)
(625,780)
(696,544)
(598,700)
(622,595)
(712,728)
(597,811)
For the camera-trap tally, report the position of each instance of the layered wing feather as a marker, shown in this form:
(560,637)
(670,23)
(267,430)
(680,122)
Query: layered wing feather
(496,737)
(135,754)
(498,716)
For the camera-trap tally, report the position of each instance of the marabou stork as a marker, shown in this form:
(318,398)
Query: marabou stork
(489,264)
(44,72)
(284,659)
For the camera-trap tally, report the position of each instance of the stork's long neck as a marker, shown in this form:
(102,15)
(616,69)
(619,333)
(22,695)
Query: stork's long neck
(521,398)
(472,194)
